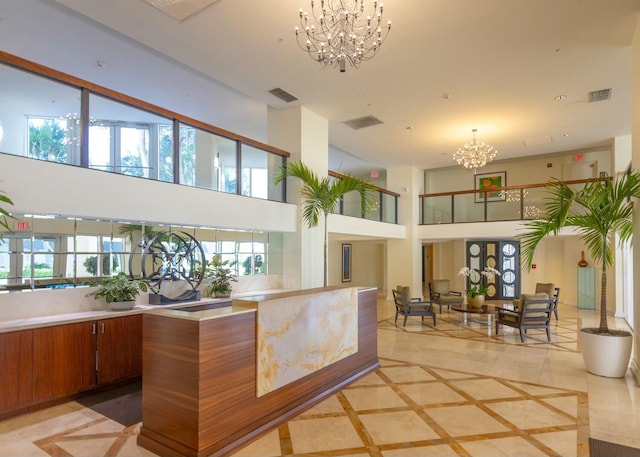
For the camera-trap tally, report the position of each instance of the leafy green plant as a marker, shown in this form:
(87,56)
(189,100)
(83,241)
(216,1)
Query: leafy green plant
(599,210)
(322,196)
(119,288)
(4,214)
(221,274)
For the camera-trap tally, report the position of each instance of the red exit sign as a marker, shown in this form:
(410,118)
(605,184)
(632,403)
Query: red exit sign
(23,225)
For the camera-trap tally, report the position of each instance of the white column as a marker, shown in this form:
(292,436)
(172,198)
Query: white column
(305,135)
(404,257)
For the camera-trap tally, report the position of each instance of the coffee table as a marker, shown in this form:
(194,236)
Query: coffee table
(487,309)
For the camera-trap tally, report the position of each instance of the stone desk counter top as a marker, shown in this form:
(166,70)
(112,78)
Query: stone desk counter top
(89,315)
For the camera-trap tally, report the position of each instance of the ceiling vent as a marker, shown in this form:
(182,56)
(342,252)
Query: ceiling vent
(599,95)
(537,141)
(362,122)
(181,9)
(283,95)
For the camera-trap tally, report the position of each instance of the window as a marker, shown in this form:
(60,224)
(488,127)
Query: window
(129,141)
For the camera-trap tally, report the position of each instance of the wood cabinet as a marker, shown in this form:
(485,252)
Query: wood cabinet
(63,360)
(119,348)
(15,371)
(59,361)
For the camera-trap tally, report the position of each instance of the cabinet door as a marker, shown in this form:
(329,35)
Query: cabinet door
(63,360)
(119,348)
(15,370)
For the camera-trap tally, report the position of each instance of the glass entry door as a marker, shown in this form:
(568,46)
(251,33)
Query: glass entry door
(504,256)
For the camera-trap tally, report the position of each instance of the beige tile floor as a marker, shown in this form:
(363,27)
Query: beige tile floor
(452,390)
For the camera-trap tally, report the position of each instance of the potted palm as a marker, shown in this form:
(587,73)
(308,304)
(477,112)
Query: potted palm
(119,291)
(599,210)
(220,274)
(322,196)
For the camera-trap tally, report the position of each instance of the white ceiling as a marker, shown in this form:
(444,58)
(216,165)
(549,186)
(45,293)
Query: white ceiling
(448,66)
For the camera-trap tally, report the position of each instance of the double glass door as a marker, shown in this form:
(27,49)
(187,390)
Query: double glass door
(504,256)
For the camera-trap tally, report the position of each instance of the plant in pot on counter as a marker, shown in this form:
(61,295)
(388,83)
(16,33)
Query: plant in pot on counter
(119,291)
(219,274)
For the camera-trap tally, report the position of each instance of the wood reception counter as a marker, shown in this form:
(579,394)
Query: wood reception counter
(214,379)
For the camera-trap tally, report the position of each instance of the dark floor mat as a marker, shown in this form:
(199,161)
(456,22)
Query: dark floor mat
(599,448)
(122,404)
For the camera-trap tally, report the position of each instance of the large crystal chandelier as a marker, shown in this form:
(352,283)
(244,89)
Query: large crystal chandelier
(342,32)
(475,154)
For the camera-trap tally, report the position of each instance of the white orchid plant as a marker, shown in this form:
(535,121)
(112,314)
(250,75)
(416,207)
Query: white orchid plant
(481,288)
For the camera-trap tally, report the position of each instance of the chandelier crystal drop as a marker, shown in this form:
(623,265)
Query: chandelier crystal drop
(340,31)
(475,155)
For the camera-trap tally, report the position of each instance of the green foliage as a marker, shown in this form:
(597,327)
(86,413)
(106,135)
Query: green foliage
(91,264)
(322,196)
(4,214)
(119,288)
(221,274)
(48,141)
(598,211)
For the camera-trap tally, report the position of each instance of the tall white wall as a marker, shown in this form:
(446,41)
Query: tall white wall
(635,134)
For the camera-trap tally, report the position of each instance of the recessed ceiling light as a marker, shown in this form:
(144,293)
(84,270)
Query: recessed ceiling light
(564,135)
(560,97)
(408,128)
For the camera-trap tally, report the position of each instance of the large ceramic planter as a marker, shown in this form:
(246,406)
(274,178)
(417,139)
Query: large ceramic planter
(475,302)
(606,354)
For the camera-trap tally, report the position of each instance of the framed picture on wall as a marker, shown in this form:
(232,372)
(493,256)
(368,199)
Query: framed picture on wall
(346,263)
(489,182)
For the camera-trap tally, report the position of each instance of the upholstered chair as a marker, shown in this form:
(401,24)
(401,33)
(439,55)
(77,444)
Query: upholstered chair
(441,294)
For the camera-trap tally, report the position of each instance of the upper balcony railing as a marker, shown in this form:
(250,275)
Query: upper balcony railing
(96,127)
(385,209)
(490,205)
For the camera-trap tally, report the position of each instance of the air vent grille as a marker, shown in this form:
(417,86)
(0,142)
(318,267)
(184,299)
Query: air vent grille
(599,95)
(362,122)
(283,95)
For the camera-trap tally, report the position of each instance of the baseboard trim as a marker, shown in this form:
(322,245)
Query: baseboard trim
(635,371)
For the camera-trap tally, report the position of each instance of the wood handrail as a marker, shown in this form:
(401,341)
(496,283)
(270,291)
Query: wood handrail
(507,188)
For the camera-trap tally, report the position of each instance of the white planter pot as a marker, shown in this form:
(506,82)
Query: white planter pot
(121,305)
(606,355)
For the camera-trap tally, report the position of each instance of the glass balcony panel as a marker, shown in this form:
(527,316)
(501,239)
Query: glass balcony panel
(374,213)
(259,169)
(52,131)
(466,209)
(436,210)
(130,141)
(389,208)
(351,204)
(207,160)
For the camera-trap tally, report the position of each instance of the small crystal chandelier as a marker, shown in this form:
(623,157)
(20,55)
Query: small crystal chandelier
(342,32)
(475,154)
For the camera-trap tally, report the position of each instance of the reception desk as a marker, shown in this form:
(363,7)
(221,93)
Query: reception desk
(215,379)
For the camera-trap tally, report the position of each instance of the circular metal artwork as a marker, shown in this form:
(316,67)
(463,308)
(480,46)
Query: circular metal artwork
(170,257)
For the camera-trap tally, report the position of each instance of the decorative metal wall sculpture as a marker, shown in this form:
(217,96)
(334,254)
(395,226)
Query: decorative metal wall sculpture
(173,265)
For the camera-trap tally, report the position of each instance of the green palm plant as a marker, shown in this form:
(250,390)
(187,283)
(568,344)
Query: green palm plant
(599,210)
(322,195)
(4,214)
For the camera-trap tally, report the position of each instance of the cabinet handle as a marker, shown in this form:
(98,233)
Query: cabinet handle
(93,328)
(102,327)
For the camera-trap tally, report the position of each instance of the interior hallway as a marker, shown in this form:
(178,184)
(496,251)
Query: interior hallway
(449,390)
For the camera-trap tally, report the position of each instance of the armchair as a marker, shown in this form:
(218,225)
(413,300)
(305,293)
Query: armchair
(548,288)
(533,312)
(440,293)
(407,306)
